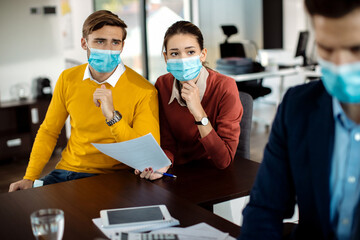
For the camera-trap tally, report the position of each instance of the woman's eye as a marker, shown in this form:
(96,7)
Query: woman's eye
(191,52)
(355,49)
(173,54)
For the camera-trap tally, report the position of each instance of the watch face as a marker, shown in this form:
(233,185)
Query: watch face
(117,115)
(204,121)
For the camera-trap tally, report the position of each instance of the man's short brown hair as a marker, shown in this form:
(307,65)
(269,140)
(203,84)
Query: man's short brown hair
(101,18)
(331,8)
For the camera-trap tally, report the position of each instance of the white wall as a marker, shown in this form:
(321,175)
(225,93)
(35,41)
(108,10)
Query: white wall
(295,20)
(80,11)
(32,45)
(246,15)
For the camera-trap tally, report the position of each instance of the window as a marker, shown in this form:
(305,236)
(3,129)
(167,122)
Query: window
(160,14)
(127,10)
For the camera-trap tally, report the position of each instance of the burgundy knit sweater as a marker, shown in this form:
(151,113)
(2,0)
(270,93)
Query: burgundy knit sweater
(180,137)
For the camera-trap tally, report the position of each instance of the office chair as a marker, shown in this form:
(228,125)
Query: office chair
(252,87)
(231,49)
(243,148)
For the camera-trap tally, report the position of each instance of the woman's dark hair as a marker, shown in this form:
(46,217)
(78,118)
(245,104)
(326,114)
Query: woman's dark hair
(331,8)
(183,27)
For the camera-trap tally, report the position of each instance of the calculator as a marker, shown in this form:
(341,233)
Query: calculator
(145,236)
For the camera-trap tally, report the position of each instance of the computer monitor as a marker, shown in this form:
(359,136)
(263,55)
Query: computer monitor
(301,46)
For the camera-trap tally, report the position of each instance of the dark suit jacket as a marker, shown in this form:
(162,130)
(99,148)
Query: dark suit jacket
(296,168)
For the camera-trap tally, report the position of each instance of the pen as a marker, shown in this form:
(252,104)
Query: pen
(166,174)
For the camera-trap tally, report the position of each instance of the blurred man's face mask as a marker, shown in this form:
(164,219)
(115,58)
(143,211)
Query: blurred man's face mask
(103,61)
(342,81)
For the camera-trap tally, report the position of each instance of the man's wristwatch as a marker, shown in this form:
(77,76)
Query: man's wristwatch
(117,117)
(204,121)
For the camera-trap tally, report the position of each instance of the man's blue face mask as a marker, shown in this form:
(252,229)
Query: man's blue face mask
(343,81)
(184,69)
(104,60)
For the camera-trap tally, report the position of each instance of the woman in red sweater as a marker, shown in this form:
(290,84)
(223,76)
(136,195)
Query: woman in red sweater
(200,109)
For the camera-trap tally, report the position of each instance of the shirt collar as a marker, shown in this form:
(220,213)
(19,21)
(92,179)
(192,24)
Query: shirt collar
(201,84)
(112,80)
(340,116)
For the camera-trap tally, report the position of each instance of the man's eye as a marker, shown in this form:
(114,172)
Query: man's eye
(99,41)
(326,49)
(116,43)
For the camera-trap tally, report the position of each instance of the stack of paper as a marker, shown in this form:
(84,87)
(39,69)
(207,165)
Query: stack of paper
(201,231)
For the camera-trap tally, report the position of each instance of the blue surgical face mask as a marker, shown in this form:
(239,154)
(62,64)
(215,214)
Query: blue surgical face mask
(104,60)
(184,69)
(342,81)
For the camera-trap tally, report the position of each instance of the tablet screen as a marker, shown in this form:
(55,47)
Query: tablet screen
(135,215)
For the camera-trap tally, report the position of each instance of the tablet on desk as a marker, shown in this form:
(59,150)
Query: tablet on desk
(133,216)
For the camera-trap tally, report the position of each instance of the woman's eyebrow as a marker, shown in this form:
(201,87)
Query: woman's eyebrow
(176,49)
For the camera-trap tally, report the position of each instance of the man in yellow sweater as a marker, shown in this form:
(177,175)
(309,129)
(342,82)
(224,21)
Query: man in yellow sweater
(107,102)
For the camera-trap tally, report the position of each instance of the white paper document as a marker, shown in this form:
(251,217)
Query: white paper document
(138,153)
(201,231)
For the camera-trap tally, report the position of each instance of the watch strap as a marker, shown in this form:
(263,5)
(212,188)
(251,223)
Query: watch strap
(116,118)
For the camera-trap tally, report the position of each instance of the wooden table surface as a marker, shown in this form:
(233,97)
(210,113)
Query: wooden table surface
(81,200)
(205,185)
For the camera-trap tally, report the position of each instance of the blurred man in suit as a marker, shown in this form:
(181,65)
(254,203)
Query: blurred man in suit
(313,154)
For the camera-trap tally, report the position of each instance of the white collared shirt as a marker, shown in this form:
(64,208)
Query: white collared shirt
(112,80)
(201,84)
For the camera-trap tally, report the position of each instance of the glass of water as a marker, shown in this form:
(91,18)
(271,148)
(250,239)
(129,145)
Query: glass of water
(48,224)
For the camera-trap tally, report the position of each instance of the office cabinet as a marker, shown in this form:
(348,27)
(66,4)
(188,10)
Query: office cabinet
(19,123)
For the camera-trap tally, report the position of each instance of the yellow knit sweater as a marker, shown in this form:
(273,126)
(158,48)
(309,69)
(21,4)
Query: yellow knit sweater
(133,96)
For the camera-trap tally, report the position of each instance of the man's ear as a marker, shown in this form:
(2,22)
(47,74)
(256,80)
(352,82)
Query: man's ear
(83,44)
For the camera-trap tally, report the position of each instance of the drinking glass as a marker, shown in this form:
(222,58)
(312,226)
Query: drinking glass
(48,224)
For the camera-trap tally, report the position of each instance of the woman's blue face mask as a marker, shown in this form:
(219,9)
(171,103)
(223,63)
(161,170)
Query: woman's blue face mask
(342,81)
(103,61)
(184,69)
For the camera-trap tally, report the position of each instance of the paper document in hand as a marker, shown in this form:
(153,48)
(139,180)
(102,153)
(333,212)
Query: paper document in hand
(138,153)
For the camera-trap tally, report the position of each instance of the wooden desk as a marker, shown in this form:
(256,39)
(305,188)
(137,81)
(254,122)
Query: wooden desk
(81,200)
(205,185)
